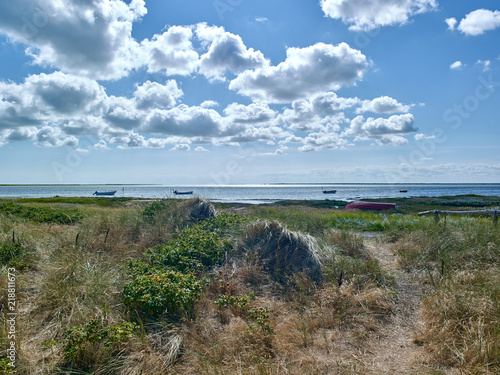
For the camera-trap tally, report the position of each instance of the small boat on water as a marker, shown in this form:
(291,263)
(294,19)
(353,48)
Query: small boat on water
(176,192)
(104,193)
(329,191)
(371,206)
(403,191)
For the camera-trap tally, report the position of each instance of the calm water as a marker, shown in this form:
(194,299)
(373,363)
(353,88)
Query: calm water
(256,193)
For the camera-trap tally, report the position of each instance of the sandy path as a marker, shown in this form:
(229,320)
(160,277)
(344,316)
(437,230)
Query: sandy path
(392,350)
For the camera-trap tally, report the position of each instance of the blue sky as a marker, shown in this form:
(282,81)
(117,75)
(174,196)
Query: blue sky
(239,91)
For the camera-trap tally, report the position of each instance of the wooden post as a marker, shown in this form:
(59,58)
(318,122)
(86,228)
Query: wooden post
(436,216)
(495,218)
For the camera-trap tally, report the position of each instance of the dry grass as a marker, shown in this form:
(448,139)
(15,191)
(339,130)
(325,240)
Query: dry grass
(282,252)
(286,315)
(462,326)
(305,339)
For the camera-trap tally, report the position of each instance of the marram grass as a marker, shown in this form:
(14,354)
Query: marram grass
(74,314)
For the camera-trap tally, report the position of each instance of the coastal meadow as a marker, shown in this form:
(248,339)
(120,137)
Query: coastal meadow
(129,286)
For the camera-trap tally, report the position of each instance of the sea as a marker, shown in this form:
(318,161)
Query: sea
(255,194)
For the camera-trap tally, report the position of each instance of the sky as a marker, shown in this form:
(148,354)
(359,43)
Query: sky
(237,91)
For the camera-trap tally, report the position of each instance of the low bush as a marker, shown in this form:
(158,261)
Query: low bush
(84,344)
(190,251)
(163,279)
(169,293)
(238,305)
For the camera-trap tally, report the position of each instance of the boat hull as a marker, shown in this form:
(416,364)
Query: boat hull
(97,193)
(183,192)
(329,191)
(371,206)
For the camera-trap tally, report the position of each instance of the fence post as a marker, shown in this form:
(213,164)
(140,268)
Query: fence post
(436,216)
(495,218)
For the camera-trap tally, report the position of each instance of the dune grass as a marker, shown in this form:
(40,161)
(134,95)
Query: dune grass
(149,289)
(461,257)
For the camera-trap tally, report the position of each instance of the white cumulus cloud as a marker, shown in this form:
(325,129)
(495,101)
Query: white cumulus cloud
(184,121)
(368,15)
(457,65)
(171,52)
(50,136)
(422,137)
(323,140)
(227,52)
(209,104)
(181,147)
(255,113)
(152,94)
(481,20)
(383,130)
(305,71)
(451,22)
(48,97)
(383,104)
(92,38)
(486,64)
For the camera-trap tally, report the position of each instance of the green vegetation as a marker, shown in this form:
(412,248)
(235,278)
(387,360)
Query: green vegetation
(98,201)
(105,286)
(350,257)
(41,214)
(461,258)
(162,280)
(234,303)
(82,342)
(163,292)
(17,255)
(317,221)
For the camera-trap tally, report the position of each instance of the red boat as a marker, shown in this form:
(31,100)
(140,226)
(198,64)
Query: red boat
(371,206)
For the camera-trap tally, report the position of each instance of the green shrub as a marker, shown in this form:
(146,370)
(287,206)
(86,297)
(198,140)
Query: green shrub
(168,292)
(190,251)
(163,280)
(237,304)
(6,366)
(82,343)
(261,318)
(222,222)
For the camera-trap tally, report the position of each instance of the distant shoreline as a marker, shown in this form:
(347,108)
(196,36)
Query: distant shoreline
(272,184)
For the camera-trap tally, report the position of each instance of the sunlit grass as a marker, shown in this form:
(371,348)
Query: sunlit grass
(244,319)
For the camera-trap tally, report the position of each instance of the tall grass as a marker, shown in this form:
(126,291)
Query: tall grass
(462,259)
(315,222)
(462,328)
(73,318)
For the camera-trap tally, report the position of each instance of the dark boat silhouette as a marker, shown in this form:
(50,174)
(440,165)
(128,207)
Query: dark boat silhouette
(329,191)
(104,192)
(176,192)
